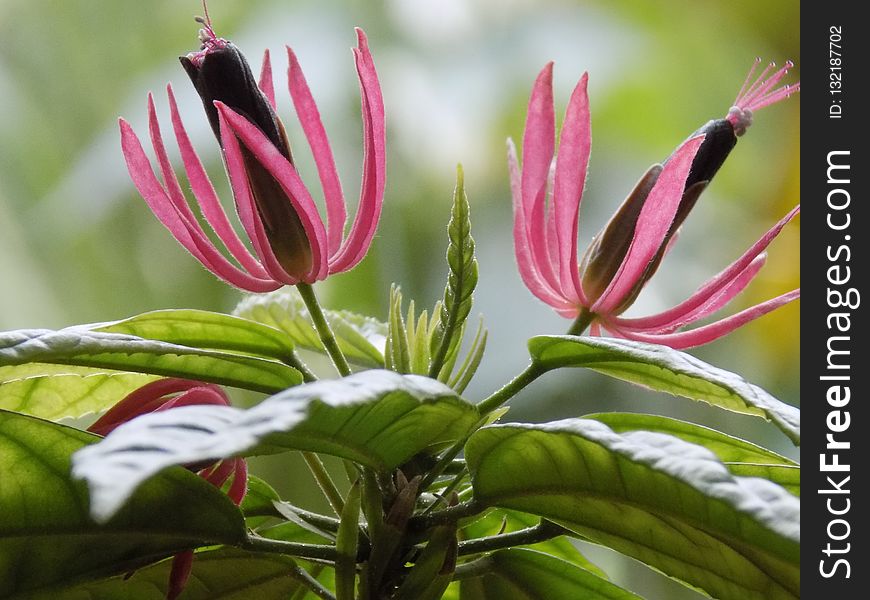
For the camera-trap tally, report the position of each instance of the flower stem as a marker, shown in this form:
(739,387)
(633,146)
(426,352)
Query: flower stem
(448,515)
(583,320)
(543,531)
(294,361)
(510,389)
(325,552)
(323,328)
(324,481)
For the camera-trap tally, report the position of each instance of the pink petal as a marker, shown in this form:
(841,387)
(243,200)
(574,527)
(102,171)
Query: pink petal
(220,473)
(522,248)
(286,176)
(713,331)
(717,283)
(716,302)
(168,214)
(572,160)
(539,141)
(371,200)
(207,198)
(169,179)
(653,223)
(266,84)
(197,396)
(182,563)
(309,117)
(239,486)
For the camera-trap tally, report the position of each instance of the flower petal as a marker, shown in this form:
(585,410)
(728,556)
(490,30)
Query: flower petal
(716,284)
(575,142)
(266,84)
(368,212)
(713,331)
(167,213)
(539,139)
(285,174)
(239,486)
(182,563)
(716,302)
(245,203)
(206,196)
(652,226)
(522,247)
(309,118)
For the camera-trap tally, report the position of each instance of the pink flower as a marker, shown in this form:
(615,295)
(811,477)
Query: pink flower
(280,218)
(622,258)
(165,394)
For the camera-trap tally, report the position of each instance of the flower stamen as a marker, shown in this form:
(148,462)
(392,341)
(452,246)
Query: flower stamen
(758,94)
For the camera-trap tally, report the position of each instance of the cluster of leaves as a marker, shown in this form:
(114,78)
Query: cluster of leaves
(93,518)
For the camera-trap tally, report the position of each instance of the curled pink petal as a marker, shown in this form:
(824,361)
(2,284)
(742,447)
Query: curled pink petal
(371,199)
(717,283)
(522,248)
(239,486)
(219,474)
(708,333)
(572,161)
(285,174)
(206,196)
(246,205)
(309,118)
(539,141)
(182,564)
(266,84)
(652,226)
(716,302)
(168,214)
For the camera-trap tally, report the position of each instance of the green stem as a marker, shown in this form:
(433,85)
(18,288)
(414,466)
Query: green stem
(583,320)
(317,588)
(323,328)
(511,389)
(485,407)
(324,481)
(543,531)
(294,361)
(325,552)
(448,515)
(321,521)
(474,568)
(316,570)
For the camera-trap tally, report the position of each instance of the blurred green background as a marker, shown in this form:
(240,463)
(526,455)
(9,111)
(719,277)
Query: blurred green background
(78,245)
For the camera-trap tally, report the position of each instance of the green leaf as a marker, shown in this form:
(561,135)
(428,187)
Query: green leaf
(396,352)
(58,391)
(727,448)
(360,338)
(472,360)
(666,370)
(376,418)
(79,346)
(226,573)
(518,573)
(507,521)
(46,535)
(663,501)
(787,476)
(741,457)
(461,281)
(207,330)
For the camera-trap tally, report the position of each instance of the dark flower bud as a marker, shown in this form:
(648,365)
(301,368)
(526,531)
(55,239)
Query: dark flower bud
(220,73)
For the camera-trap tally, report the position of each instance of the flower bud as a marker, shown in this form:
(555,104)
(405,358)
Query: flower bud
(220,73)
